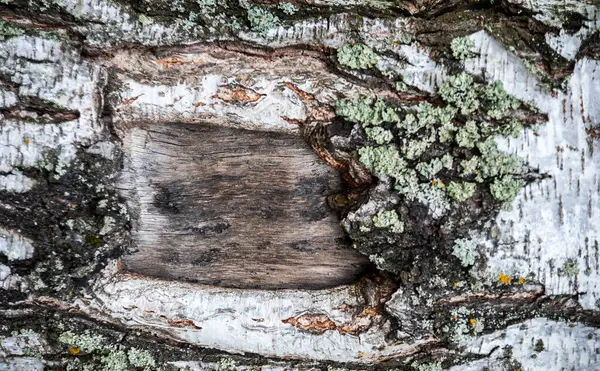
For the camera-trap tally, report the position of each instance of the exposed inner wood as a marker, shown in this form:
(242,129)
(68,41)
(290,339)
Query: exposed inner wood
(232,207)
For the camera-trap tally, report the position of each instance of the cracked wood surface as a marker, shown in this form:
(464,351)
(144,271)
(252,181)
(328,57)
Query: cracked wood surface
(235,208)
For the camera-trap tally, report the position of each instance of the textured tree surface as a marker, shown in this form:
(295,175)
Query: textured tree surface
(319,184)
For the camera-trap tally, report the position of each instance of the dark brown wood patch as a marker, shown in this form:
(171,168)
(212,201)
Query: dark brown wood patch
(234,208)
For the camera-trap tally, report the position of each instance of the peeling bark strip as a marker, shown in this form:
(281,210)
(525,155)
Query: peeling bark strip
(234,208)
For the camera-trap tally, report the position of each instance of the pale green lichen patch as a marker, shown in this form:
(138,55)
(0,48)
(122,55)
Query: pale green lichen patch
(389,220)
(379,135)
(418,131)
(365,111)
(430,169)
(288,8)
(384,160)
(409,135)
(97,349)
(427,366)
(261,20)
(466,250)
(357,56)
(497,100)
(506,188)
(8,29)
(440,163)
(462,48)
(461,191)
(460,92)
(467,135)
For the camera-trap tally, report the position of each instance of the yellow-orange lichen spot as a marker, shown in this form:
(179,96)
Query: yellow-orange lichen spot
(74,351)
(505,279)
(522,280)
(472,321)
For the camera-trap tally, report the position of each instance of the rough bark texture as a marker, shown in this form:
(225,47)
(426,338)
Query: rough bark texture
(172,175)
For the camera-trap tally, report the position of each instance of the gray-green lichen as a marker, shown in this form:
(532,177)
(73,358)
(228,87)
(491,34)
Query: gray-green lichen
(461,191)
(570,268)
(365,111)
(418,131)
(497,100)
(465,249)
(467,135)
(506,188)
(462,48)
(357,56)
(460,92)
(97,349)
(427,366)
(288,8)
(261,20)
(226,364)
(379,135)
(388,219)
(8,29)
(384,160)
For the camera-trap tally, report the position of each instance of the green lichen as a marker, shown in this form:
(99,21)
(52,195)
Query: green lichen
(427,116)
(427,366)
(447,161)
(401,86)
(495,163)
(379,135)
(112,357)
(512,128)
(384,160)
(434,197)
(226,364)
(145,20)
(357,56)
(288,8)
(115,361)
(461,92)
(93,240)
(430,169)
(461,191)
(466,250)
(365,111)
(407,184)
(261,20)
(413,148)
(7,29)
(388,220)
(469,167)
(462,48)
(467,134)
(470,153)
(505,189)
(141,358)
(497,101)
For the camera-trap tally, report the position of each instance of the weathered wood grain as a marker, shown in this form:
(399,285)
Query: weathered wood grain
(236,208)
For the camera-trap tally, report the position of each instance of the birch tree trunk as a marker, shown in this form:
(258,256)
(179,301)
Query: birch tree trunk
(319,184)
